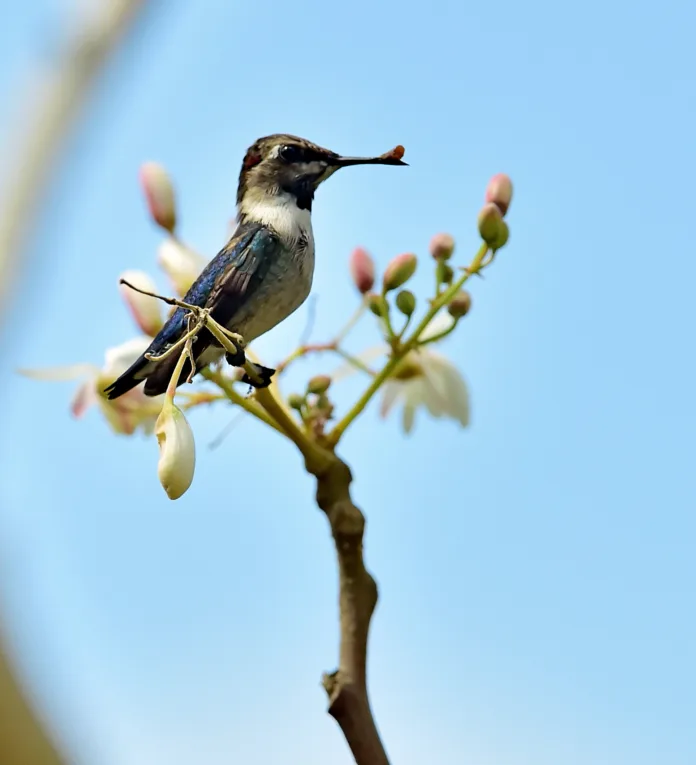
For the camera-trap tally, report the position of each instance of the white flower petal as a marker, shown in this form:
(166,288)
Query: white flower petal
(458,397)
(439,323)
(85,396)
(177,460)
(390,393)
(57,374)
(181,264)
(409,416)
(119,358)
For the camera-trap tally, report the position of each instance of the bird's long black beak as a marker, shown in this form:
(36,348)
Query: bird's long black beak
(392,157)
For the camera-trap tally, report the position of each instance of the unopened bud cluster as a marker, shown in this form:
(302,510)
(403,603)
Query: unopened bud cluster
(314,407)
(493,229)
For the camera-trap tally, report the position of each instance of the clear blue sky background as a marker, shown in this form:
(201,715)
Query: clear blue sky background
(537,571)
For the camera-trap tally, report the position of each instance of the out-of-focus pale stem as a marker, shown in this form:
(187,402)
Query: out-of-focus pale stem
(354,319)
(54,102)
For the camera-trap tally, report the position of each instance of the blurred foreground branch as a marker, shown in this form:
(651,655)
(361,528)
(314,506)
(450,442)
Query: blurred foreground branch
(44,122)
(39,135)
(22,738)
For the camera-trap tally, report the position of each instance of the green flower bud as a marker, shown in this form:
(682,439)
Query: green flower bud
(378,305)
(295,401)
(319,384)
(444,273)
(503,236)
(399,271)
(490,221)
(406,302)
(460,304)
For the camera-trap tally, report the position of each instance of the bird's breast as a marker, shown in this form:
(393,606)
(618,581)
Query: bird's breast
(284,289)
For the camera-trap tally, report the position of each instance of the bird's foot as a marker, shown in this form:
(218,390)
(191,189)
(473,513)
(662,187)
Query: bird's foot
(264,373)
(236,359)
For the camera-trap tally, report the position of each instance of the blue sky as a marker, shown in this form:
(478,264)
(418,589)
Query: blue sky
(537,569)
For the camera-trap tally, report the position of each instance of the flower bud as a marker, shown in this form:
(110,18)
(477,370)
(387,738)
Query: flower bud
(490,221)
(444,273)
(442,246)
(295,401)
(181,264)
(145,309)
(460,304)
(319,384)
(362,269)
(378,305)
(502,238)
(406,302)
(499,192)
(399,271)
(177,460)
(159,194)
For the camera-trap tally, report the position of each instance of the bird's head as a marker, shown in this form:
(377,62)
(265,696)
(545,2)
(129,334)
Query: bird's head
(287,166)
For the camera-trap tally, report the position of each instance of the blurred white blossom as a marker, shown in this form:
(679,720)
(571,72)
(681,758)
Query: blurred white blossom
(181,264)
(424,378)
(126,414)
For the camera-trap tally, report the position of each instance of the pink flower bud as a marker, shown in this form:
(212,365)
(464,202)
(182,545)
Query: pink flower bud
(159,194)
(460,305)
(145,309)
(399,271)
(490,221)
(499,192)
(362,269)
(442,246)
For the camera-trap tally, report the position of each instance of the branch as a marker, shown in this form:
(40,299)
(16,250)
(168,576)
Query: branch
(56,101)
(346,687)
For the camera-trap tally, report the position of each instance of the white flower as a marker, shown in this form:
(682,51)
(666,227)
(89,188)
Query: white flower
(181,264)
(426,378)
(144,309)
(126,414)
(177,460)
(423,378)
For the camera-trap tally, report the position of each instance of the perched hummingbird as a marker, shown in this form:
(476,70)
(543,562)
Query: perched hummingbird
(265,270)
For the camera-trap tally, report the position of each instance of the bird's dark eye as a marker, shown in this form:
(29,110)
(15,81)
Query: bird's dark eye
(291,154)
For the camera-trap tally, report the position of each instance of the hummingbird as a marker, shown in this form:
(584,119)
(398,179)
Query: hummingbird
(264,273)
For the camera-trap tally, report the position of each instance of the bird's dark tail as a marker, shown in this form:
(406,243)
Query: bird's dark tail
(133,376)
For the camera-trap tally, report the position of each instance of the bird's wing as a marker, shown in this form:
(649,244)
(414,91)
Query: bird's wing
(223,286)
